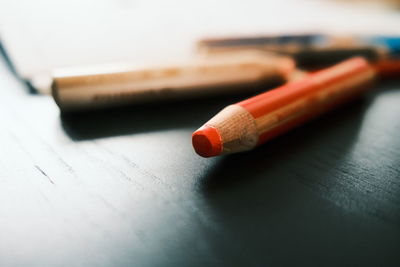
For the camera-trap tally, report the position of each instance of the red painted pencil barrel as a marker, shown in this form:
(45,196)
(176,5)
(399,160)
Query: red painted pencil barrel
(244,125)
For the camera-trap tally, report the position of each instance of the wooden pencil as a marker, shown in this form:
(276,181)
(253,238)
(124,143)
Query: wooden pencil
(247,124)
(226,73)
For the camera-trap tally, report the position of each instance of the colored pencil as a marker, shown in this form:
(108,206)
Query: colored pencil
(212,75)
(310,50)
(247,124)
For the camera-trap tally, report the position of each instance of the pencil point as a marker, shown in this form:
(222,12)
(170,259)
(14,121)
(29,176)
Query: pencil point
(207,142)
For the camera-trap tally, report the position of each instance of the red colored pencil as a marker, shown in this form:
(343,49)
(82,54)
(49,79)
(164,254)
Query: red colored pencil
(247,124)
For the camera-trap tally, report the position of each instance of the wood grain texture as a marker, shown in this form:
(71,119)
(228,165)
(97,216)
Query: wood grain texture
(124,187)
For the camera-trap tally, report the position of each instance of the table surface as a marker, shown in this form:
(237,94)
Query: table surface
(123,187)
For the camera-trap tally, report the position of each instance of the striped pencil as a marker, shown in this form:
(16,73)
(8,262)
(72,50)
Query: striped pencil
(247,124)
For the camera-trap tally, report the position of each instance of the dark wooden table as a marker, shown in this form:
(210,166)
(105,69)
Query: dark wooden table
(123,187)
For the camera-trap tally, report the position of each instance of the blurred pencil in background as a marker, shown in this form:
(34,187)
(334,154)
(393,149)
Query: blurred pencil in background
(310,50)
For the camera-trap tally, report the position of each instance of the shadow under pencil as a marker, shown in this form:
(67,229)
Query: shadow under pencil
(336,130)
(143,118)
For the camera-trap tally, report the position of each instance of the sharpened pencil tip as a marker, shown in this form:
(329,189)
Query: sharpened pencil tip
(207,142)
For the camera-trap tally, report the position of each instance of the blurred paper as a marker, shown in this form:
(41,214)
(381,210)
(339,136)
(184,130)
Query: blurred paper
(43,35)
